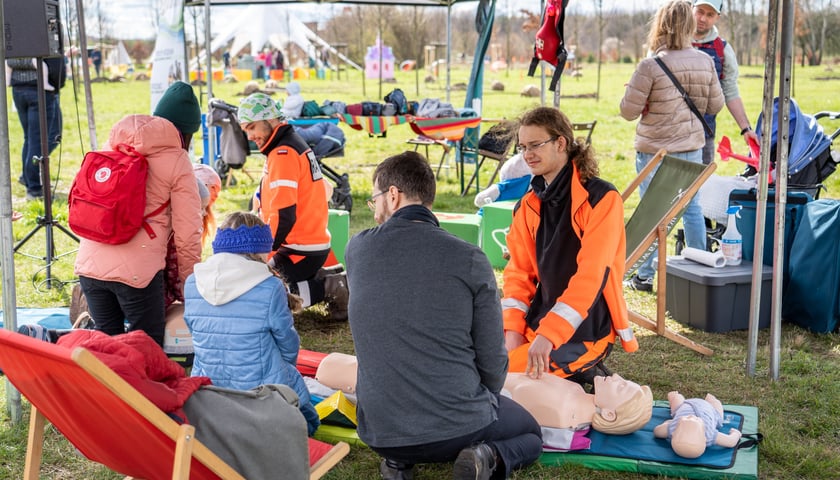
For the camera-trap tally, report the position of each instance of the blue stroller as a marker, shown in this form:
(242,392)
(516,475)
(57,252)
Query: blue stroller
(811,161)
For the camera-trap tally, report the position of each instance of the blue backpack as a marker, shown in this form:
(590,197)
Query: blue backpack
(397,98)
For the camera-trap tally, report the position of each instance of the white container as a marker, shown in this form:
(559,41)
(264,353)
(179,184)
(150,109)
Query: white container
(731,241)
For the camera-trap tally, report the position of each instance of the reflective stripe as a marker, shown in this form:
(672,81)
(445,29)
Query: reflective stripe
(626,334)
(568,313)
(512,303)
(283,183)
(314,247)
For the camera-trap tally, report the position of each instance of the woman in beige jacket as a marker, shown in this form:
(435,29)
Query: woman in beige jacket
(125,282)
(666,120)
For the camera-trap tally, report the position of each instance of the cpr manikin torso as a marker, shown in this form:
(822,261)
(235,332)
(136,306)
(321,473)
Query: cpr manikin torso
(553,401)
(566,411)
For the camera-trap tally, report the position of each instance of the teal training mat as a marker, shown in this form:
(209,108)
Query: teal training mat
(641,452)
(57,318)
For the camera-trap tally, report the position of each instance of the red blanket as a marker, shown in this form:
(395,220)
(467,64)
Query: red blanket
(141,362)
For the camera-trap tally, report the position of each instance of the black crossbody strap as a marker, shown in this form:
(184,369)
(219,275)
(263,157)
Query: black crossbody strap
(685,97)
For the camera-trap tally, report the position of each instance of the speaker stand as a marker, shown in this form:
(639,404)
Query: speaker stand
(46,221)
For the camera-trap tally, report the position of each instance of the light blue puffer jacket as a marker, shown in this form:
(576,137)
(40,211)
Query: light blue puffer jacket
(243,331)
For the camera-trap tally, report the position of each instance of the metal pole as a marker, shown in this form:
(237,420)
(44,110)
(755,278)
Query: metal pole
(782,146)
(7,263)
(86,74)
(449,51)
(211,130)
(763,176)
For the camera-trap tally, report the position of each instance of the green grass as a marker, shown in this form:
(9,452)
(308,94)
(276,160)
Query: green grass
(799,415)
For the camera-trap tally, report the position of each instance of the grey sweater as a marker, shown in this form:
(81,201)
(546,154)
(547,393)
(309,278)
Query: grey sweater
(427,326)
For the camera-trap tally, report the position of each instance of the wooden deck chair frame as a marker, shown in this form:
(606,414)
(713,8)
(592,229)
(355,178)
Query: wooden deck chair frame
(665,214)
(107,419)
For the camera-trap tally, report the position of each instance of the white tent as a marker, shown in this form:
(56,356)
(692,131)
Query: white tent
(118,55)
(261,25)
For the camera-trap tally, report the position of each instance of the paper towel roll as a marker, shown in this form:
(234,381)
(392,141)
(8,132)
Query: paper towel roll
(711,259)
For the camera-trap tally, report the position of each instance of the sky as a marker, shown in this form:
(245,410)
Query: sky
(131,19)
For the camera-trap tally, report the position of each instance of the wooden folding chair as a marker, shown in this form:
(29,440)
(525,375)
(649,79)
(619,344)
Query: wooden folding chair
(673,185)
(426,142)
(109,421)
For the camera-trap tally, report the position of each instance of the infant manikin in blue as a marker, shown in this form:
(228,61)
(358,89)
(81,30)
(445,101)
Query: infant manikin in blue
(694,425)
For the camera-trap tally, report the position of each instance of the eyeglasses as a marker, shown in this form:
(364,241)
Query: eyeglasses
(371,200)
(523,149)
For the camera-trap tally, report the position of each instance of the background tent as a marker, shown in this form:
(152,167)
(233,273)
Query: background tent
(263,25)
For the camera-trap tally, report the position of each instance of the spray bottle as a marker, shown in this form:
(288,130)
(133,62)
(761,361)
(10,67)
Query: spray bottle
(731,241)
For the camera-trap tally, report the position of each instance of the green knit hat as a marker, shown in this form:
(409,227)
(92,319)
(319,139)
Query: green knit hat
(258,106)
(180,106)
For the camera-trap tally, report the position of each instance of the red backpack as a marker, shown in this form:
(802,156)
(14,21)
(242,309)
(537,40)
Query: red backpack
(108,196)
(549,45)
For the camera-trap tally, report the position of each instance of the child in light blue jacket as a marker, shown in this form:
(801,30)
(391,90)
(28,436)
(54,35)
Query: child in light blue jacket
(238,312)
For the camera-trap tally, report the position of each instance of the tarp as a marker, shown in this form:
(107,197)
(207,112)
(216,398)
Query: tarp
(262,25)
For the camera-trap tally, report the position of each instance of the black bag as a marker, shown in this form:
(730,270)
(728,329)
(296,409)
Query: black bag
(498,138)
(371,109)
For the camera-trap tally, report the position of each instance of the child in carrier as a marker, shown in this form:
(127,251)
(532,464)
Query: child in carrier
(240,314)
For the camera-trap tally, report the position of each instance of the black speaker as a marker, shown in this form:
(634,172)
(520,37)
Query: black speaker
(32,28)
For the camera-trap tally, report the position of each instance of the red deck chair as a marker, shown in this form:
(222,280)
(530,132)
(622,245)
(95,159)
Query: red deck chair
(109,421)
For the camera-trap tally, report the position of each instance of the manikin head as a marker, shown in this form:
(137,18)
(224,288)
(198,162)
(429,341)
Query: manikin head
(623,406)
(338,371)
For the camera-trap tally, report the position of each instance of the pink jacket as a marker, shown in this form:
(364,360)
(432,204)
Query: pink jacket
(170,178)
(666,121)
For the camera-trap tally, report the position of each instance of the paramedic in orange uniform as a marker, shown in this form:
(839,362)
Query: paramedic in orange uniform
(563,304)
(293,203)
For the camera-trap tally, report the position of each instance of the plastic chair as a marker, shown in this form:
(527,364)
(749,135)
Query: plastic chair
(673,185)
(72,389)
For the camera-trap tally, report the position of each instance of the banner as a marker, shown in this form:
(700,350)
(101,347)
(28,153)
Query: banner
(168,62)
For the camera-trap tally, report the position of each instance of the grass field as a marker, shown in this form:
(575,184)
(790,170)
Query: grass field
(799,414)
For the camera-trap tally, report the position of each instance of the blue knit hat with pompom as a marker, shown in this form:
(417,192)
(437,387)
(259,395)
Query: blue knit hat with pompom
(243,239)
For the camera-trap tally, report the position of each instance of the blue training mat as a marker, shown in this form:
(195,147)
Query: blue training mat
(55,318)
(642,453)
(642,445)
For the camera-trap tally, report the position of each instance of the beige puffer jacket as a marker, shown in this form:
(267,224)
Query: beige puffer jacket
(171,177)
(666,121)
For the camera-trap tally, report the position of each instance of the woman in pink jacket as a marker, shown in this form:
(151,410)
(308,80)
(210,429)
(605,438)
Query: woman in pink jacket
(125,283)
(666,120)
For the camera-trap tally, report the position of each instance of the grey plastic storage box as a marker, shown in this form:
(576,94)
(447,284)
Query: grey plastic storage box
(714,299)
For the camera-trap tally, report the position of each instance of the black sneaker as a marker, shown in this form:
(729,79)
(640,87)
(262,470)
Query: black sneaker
(390,470)
(475,463)
(641,284)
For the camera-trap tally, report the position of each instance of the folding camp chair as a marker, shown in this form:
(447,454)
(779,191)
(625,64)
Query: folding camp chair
(673,185)
(109,421)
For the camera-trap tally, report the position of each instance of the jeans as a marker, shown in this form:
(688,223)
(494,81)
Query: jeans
(515,435)
(111,304)
(693,223)
(300,276)
(26,103)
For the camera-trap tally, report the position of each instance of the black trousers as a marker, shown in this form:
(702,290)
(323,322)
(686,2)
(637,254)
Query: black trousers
(112,304)
(515,435)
